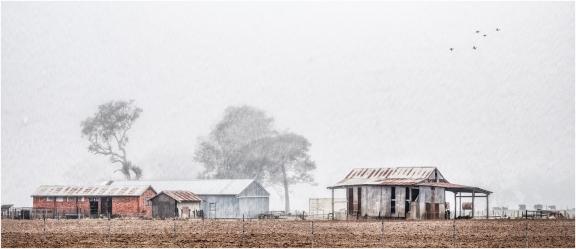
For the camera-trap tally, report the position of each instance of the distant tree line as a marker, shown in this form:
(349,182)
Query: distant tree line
(244,144)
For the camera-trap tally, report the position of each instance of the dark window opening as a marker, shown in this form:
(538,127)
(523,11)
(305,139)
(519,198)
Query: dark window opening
(407,201)
(393,207)
(414,194)
(393,195)
(406,207)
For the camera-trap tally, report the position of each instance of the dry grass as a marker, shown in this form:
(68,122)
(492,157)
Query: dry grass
(282,233)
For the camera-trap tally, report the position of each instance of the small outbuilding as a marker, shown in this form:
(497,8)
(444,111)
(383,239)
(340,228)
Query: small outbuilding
(176,204)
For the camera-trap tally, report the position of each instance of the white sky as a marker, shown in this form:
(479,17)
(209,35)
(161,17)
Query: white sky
(369,84)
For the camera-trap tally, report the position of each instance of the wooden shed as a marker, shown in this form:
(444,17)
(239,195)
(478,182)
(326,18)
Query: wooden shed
(175,204)
(402,192)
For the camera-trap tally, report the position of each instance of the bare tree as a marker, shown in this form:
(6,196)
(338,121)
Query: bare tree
(106,132)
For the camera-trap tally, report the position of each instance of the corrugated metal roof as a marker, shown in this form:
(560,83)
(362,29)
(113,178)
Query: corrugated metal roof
(95,190)
(402,176)
(180,195)
(455,187)
(197,186)
(391,173)
(386,176)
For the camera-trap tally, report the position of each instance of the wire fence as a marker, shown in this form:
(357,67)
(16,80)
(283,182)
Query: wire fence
(287,233)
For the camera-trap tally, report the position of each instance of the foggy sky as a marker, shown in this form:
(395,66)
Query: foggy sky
(369,84)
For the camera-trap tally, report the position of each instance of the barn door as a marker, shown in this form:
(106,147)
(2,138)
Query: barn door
(212,210)
(350,199)
(359,212)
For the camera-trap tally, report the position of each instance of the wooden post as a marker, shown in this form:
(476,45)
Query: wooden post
(312,232)
(242,230)
(382,228)
(109,229)
(332,204)
(526,233)
(460,204)
(473,193)
(487,206)
(454,205)
(454,231)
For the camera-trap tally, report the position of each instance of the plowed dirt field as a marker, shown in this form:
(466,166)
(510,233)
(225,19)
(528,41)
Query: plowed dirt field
(283,233)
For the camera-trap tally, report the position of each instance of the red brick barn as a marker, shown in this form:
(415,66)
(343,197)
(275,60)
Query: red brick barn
(94,201)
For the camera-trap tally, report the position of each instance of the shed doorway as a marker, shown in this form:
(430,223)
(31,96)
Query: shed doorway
(93,207)
(106,206)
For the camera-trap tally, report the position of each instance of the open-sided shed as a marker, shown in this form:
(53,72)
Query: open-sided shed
(175,203)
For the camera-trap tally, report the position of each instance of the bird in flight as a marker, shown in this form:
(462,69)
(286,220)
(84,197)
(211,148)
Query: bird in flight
(497,29)
(451,49)
(477,31)
(484,35)
(474,47)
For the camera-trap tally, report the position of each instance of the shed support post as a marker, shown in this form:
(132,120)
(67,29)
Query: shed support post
(487,206)
(332,204)
(473,194)
(454,205)
(460,204)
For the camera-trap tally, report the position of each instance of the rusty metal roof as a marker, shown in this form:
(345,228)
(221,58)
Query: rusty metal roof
(181,195)
(391,173)
(387,176)
(95,190)
(402,176)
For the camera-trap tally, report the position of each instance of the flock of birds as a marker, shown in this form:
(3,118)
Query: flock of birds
(477,32)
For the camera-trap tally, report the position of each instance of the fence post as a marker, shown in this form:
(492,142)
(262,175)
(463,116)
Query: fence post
(526,233)
(382,232)
(312,226)
(109,228)
(174,227)
(243,230)
(454,232)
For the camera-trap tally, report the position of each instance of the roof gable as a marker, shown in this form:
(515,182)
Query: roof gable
(391,176)
(180,195)
(254,189)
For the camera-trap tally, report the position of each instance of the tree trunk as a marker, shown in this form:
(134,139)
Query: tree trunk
(126,171)
(286,192)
